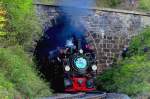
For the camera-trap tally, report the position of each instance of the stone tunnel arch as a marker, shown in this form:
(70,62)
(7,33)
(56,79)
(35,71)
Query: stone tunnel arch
(109,29)
(51,69)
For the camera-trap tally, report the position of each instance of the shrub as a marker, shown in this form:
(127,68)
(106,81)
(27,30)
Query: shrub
(130,75)
(140,43)
(23,25)
(7,90)
(108,3)
(114,3)
(18,69)
(144,4)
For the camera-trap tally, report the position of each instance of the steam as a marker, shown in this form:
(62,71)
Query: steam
(69,23)
(73,10)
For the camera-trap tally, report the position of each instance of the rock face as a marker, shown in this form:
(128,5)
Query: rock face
(111,30)
(117,96)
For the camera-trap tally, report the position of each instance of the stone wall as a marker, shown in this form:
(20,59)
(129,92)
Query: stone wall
(111,30)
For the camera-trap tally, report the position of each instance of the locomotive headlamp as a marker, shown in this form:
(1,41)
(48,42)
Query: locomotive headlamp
(81,51)
(67,68)
(94,67)
(81,63)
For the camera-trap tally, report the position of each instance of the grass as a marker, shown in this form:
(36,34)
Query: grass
(17,70)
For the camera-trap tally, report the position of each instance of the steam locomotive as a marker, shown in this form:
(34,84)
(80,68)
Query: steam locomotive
(79,66)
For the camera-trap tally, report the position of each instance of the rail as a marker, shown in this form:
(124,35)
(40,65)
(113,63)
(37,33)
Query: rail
(97,95)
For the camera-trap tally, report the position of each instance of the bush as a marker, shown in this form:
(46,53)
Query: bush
(108,3)
(144,4)
(17,69)
(17,74)
(22,24)
(7,90)
(130,75)
(140,43)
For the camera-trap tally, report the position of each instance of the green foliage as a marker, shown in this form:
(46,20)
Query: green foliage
(138,43)
(22,24)
(144,4)
(130,75)
(17,70)
(19,26)
(2,21)
(108,3)
(7,90)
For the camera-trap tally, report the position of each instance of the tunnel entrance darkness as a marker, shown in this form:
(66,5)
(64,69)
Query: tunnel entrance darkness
(46,51)
(52,72)
(51,69)
(47,64)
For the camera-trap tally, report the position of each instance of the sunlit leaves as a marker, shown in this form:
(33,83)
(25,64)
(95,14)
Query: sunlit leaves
(2,33)
(22,21)
(2,20)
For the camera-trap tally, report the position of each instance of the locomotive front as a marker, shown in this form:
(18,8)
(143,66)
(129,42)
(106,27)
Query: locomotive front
(80,67)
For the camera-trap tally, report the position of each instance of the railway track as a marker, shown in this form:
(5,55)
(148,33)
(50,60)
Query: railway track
(89,95)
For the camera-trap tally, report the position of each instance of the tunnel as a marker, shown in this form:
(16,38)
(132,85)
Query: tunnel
(46,51)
